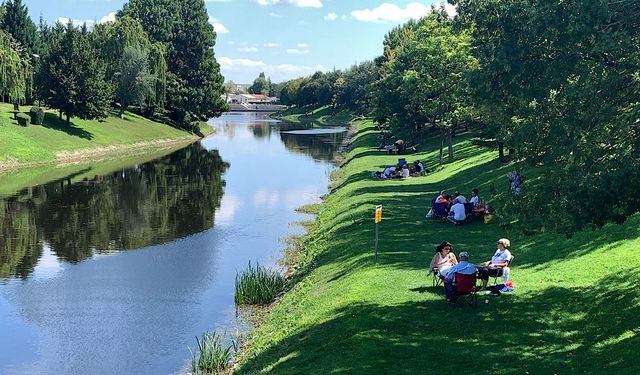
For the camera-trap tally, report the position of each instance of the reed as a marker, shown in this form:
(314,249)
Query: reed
(258,285)
(211,357)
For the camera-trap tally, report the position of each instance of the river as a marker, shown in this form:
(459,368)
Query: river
(116,272)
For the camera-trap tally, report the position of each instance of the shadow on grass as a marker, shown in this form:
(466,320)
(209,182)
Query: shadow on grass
(51,121)
(555,331)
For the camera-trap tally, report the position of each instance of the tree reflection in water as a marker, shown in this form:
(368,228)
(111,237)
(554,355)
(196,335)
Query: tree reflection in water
(149,204)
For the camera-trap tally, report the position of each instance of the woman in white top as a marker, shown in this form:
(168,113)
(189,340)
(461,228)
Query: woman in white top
(443,259)
(474,197)
(498,265)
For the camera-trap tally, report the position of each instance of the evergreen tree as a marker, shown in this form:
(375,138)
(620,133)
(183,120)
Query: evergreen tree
(261,85)
(16,21)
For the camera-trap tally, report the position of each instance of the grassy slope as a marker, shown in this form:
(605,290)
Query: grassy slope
(574,310)
(40,143)
(324,116)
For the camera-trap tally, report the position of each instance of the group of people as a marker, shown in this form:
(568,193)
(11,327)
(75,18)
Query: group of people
(456,208)
(402,170)
(446,265)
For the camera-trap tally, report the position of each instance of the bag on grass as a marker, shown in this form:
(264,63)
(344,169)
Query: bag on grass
(488,218)
(430,214)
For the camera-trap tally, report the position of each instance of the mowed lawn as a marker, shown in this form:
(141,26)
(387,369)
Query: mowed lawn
(574,311)
(36,143)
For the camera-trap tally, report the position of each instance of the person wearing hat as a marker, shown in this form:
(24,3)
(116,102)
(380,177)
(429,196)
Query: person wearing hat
(463,267)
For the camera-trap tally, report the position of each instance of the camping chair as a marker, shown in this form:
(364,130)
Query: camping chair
(495,278)
(440,210)
(436,280)
(465,290)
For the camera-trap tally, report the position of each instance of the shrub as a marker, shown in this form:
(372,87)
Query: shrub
(258,285)
(23,119)
(37,115)
(211,357)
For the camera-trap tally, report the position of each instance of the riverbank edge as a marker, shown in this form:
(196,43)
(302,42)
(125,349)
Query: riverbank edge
(298,263)
(326,116)
(111,152)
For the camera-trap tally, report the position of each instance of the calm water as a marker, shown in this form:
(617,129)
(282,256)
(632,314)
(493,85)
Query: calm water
(117,273)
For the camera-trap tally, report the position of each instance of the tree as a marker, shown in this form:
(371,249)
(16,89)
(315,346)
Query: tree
(260,85)
(71,77)
(16,21)
(135,84)
(15,71)
(195,85)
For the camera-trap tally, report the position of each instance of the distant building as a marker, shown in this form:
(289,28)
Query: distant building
(246,99)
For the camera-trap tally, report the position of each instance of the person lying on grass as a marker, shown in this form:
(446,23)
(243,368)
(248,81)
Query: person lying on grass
(465,268)
(457,213)
(443,259)
(498,265)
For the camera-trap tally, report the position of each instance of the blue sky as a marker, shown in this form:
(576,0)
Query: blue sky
(283,38)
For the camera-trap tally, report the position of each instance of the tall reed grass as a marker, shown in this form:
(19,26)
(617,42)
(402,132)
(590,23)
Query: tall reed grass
(211,357)
(258,285)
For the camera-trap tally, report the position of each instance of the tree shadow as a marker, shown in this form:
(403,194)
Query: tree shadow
(51,121)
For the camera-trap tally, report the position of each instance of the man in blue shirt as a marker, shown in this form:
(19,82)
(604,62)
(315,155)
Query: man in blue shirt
(463,267)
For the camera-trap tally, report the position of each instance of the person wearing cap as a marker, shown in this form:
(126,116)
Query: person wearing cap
(463,267)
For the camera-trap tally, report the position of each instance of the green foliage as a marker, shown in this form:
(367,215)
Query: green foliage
(36,115)
(23,119)
(135,84)
(258,285)
(72,77)
(15,70)
(261,85)
(16,21)
(211,357)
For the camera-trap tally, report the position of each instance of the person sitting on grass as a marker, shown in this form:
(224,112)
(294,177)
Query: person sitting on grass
(443,259)
(389,172)
(475,199)
(459,198)
(457,213)
(405,171)
(463,267)
(498,265)
(442,198)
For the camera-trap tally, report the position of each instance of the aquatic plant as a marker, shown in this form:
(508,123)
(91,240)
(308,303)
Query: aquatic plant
(211,357)
(258,285)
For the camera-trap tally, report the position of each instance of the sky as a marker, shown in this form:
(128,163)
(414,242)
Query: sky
(285,39)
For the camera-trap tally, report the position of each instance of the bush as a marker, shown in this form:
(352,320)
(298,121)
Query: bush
(37,115)
(258,285)
(23,119)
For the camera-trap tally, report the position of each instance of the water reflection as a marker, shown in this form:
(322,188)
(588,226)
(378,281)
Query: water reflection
(149,204)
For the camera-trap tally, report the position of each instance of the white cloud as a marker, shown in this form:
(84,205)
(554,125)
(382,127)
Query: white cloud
(297,51)
(247,49)
(388,12)
(271,45)
(229,205)
(303,45)
(111,17)
(218,26)
(275,15)
(245,70)
(297,3)
(331,17)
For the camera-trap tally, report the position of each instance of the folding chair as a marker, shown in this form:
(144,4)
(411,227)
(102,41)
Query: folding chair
(465,290)
(436,280)
(495,278)
(440,210)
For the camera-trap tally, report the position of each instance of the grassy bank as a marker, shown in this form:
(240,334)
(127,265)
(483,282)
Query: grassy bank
(324,116)
(55,142)
(573,310)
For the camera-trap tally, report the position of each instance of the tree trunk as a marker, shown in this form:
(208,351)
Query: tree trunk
(60,114)
(68,119)
(122,107)
(442,135)
(501,152)
(451,134)
(512,153)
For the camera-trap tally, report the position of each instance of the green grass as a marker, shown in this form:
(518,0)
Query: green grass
(574,310)
(258,285)
(324,116)
(39,144)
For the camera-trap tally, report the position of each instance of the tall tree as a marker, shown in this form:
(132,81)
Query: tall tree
(135,83)
(260,85)
(195,86)
(16,21)
(15,70)
(71,77)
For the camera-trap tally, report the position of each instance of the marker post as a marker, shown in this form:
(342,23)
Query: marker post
(377,219)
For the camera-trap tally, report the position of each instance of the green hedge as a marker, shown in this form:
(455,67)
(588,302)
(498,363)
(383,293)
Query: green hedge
(23,119)
(37,115)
